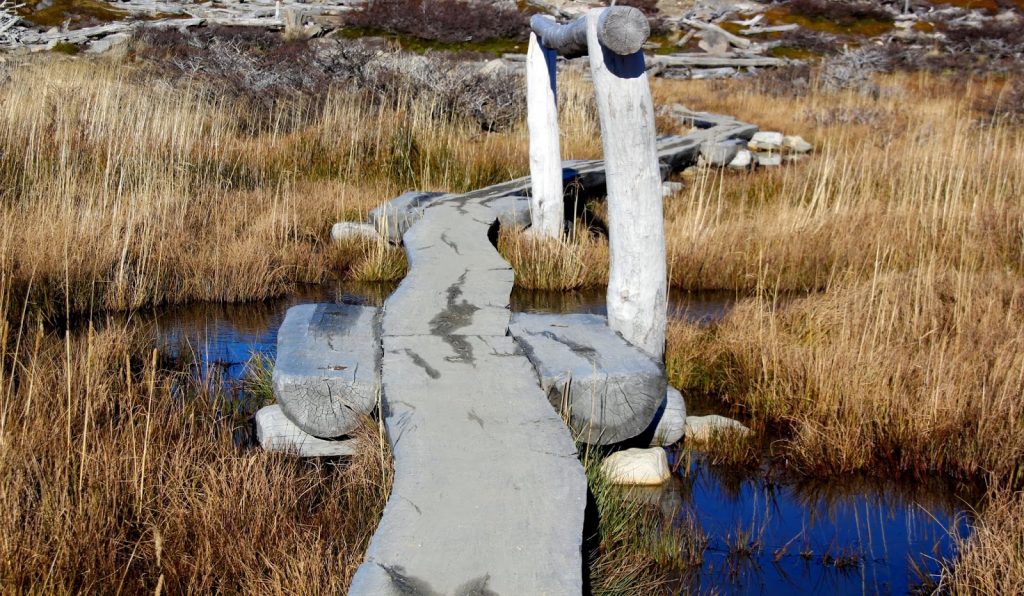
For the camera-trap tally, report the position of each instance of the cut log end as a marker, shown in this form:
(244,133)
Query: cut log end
(623,29)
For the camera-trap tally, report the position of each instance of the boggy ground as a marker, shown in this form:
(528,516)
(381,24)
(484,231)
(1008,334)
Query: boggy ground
(881,328)
(137,181)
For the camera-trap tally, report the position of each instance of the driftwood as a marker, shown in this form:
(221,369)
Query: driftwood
(753,30)
(708,61)
(637,286)
(739,42)
(621,29)
(546,203)
(613,39)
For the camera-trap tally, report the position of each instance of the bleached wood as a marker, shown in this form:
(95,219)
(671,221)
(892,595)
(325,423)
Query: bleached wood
(739,42)
(621,29)
(708,61)
(636,233)
(546,206)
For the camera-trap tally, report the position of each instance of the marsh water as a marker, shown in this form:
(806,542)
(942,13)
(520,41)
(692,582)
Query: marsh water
(768,533)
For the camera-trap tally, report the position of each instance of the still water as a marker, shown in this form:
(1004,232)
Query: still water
(768,533)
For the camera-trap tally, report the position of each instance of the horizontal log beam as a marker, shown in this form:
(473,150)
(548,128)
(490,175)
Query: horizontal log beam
(708,61)
(621,29)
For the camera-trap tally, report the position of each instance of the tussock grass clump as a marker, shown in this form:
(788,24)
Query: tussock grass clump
(120,475)
(637,549)
(918,372)
(578,261)
(116,193)
(991,557)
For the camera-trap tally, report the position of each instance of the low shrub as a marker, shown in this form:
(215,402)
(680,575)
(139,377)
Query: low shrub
(449,21)
(839,11)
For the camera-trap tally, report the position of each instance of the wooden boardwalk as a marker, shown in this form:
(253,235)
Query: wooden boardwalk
(489,494)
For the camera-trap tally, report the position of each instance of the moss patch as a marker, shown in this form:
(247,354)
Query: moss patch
(73,12)
(491,47)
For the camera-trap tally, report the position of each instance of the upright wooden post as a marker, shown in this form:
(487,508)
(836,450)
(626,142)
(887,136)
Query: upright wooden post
(637,301)
(546,208)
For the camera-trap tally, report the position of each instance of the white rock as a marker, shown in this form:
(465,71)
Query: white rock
(743,160)
(672,421)
(670,188)
(719,153)
(276,433)
(642,467)
(796,144)
(108,43)
(701,428)
(344,230)
(768,159)
(766,141)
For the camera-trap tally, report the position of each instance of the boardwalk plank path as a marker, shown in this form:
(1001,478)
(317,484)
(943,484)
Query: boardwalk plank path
(489,494)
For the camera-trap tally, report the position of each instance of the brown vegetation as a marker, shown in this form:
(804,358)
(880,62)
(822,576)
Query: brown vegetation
(120,475)
(991,557)
(447,21)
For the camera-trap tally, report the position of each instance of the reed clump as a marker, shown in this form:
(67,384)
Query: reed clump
(580,260)
(121,474)
(991,556)
(635,547)
(120,189)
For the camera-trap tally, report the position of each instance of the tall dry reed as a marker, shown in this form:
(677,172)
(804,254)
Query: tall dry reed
(120,475)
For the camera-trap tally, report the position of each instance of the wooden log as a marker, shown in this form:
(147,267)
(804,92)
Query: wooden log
(637,306)
(546,207)
(772,29)
(707,61)
(739,42)
(621,29)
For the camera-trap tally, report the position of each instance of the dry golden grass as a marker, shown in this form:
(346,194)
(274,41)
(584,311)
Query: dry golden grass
(120,476)
(991,557)
(118,191)
(578,261)
(887,327)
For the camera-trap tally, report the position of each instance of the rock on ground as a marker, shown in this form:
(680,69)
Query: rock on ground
(610,389)
(640,467)
(276,433)
(670,419)
(796,144)
(326,376)
(719,153)
(766,141)
(743,160)
(700,429)
(346,230)
(768,159)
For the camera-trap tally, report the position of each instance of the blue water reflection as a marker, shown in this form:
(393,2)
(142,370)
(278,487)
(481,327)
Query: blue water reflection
(854,536)
(842,536)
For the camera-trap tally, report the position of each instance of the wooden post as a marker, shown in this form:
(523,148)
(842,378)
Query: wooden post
(637,293)
(613,38)
(547,211)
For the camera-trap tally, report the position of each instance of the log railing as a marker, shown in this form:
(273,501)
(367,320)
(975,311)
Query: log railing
(612,38)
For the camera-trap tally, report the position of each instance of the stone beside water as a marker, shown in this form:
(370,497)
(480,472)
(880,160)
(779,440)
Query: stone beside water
(671,419)
(610,389)
(326,376)
(637,467)
(700,429)
(276,433)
